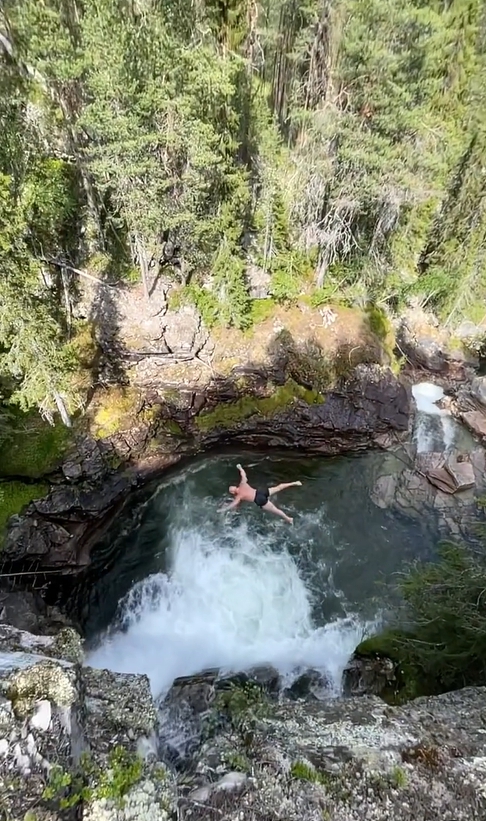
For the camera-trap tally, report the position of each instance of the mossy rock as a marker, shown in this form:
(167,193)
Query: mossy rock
(393,644)
(34,448)
(118,409)
(230,414)
(14,496)
(381,326)
(46,680)
(384,644)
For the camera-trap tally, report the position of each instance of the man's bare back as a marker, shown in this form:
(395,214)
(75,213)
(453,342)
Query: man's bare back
(244,492)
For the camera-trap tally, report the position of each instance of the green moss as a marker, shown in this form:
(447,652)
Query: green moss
(398,778)
(116,410)
(261,309)
(91,783)
(237,761)
(382,328)
(14,496)
(384,644)
(173,427)
(230,414)
(334,784)
(34,448)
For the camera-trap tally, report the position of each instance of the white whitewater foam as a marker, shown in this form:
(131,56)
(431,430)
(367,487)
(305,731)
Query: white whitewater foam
(435,429)
(228,601)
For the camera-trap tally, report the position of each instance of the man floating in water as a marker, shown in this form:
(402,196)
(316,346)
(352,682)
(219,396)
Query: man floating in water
(246,493)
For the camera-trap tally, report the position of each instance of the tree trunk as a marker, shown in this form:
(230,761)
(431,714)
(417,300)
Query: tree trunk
(62,409)
(143,265)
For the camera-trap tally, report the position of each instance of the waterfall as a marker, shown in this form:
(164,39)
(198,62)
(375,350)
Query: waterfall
(435,429)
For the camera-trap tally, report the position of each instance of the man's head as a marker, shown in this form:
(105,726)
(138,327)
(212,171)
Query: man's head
(233,490)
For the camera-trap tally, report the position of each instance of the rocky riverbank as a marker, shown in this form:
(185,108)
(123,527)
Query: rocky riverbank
(89,744)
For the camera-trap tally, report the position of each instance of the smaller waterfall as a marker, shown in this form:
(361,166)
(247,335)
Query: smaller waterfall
(435,429)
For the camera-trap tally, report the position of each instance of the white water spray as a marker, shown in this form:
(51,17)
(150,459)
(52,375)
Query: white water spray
(229,601)
(435,429)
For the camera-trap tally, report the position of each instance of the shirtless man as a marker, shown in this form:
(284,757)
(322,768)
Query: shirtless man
(246,493)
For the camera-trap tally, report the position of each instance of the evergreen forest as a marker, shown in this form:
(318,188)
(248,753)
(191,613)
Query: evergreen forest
(337,145)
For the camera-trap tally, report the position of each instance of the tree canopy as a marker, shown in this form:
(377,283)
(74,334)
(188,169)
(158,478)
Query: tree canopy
(340,147)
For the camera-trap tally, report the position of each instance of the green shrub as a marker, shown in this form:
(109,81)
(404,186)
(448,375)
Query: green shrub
(34,448)
(441,642)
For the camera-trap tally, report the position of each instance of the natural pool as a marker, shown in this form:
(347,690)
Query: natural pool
(177,586)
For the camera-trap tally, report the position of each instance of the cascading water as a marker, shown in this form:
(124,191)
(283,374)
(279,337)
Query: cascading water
(198,589)
(225,603)
(435,429)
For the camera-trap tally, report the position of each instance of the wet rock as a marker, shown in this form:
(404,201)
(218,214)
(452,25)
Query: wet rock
(368,676)
(456,475)
(476,422)
(437,489)
(86,460)
(21,609)
(267,677)
(197,691)
(384,490)
(309,685)
(182,714)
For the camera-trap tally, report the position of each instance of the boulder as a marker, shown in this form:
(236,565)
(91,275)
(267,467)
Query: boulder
(456,474)
(476,422)
(265,676)
(438,490)
(310,684)
(368,676)
(184,331)
(477,389)
(73,734)
(427,346)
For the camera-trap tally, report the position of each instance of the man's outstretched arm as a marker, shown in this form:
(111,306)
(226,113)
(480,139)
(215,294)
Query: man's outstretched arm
(243,475)
(231,505)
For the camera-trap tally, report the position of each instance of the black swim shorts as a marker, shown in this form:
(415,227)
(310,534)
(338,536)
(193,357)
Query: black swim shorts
(262,496)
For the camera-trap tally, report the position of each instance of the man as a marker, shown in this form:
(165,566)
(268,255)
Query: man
(246,493)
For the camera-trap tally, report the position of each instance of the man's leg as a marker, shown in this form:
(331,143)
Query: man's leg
(283,486)
(271,508)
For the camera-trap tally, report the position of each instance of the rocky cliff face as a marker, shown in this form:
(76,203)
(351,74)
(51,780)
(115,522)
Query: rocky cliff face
(262,410)
(75,742)
(82,743)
